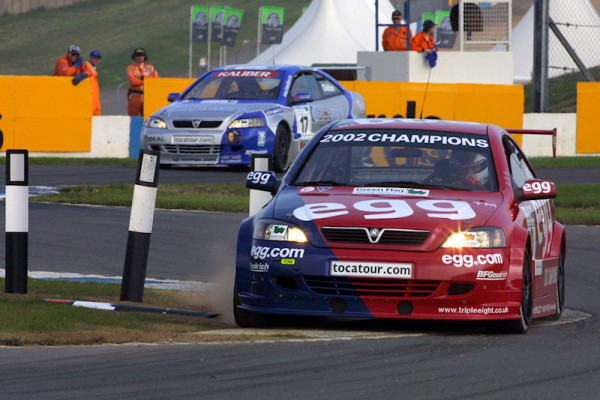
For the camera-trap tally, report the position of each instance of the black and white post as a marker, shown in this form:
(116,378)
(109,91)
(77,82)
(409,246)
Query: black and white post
(17,220)
(140,226)
(258,198)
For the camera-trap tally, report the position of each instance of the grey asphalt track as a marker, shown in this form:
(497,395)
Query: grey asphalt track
(387,361)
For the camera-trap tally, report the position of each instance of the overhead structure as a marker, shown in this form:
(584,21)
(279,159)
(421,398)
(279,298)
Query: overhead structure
(329,32)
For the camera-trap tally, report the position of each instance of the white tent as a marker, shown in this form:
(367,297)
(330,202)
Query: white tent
(583,36)
(329,32)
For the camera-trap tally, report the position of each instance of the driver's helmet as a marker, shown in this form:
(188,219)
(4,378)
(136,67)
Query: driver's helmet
(470,168)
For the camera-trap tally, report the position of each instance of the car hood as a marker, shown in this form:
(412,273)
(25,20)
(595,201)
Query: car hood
(436,211)
(211,109)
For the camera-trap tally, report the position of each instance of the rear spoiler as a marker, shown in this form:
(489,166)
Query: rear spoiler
(538,132)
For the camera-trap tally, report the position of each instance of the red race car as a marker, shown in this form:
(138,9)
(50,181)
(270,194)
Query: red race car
(399,218)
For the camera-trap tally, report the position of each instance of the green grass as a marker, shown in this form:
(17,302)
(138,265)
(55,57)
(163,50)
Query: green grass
(32,42)
(27,320)
(205,197)
(562,92)
(558,162)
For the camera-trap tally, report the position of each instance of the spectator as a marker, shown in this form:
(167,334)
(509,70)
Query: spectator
(136,73)
(394,37)
(424,41)
(70,64)
(88,70)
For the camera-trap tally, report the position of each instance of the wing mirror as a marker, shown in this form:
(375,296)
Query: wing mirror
(173,96)
(536,189)
(266,181)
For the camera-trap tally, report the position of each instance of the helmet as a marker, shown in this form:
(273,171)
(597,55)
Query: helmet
(139,52)
(73,49)
(469,167)
(96,54)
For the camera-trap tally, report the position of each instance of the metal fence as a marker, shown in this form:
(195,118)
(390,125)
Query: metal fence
(573,56)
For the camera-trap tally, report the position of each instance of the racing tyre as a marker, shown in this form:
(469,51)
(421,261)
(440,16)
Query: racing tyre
(521,325)
(247,319)
(281,149)
(560,286)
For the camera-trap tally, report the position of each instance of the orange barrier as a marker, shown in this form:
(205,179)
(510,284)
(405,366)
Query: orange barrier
(45,114)
(588,130)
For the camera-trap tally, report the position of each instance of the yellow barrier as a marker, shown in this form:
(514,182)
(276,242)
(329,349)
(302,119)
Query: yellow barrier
(156,91)
(588,130)
(495,104)
(45,114)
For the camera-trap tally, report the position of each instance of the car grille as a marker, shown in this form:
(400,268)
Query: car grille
(189,124)
(192,148)
(407,237)
(328,285)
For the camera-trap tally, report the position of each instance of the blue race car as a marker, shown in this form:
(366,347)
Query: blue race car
(235,111)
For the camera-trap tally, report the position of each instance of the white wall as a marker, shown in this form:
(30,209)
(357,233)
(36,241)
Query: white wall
(110,138)
(491,68)
(541,145)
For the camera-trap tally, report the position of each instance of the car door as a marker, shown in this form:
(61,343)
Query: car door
(539,215)
(316,101)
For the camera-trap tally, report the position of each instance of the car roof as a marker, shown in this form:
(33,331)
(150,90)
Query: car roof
(421,124)
(275,67)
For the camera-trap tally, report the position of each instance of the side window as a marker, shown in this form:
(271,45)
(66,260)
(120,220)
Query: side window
(306,83)
(328,88)
(519,169)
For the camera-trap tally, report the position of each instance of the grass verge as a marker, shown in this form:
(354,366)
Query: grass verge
(205,197)
(27,320)
(575,204)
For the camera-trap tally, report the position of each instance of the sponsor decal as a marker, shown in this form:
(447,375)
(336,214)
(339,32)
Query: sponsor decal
(323,189)
(391,191)
(263,252)
(387,209)
(491,275)
(469,260)
(473,310)
(227,158)
(192,140)
(371,269)
(262,139)
(550,276)
(307,189)
(288,261)
(545,308)
(278,232)
(245,74)
(250,152)
(259,267)
(391,137)
(273,111)
(157,139)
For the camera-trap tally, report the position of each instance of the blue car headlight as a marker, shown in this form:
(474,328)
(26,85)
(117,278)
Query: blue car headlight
(278,231)
(155,122)
(254,122)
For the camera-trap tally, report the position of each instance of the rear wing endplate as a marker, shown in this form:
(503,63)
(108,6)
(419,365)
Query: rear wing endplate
(538,132)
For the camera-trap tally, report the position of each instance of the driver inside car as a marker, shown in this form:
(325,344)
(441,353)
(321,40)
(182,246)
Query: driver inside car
(469,169)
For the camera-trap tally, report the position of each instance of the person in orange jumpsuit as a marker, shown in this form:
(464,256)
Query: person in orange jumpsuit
(88,70)
(70,63)
(394,37)
(424,41)
(136,73)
